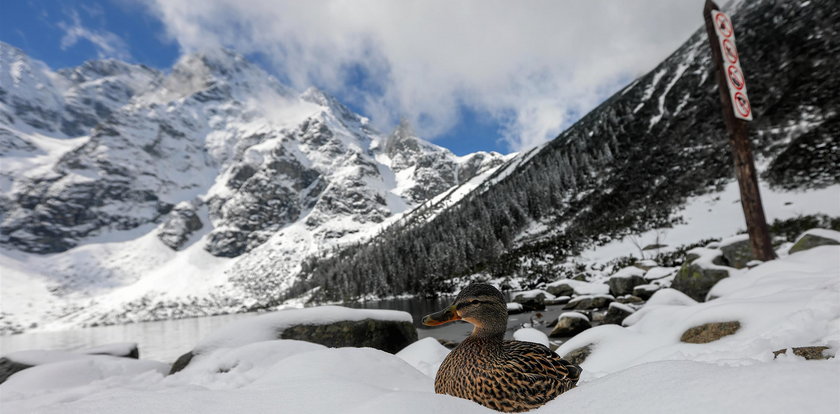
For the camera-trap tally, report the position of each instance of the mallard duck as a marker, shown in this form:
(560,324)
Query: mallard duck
(507,376)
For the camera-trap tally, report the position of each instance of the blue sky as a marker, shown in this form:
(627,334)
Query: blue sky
(473,75)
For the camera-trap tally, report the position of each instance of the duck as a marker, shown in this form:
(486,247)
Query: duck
(506,376)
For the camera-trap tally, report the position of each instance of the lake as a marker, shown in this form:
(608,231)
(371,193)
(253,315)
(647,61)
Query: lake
(166,340)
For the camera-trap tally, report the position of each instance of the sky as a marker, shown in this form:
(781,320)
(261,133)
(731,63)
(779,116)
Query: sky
(469,75)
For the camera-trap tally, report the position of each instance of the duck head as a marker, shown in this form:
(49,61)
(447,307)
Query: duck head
(479,304)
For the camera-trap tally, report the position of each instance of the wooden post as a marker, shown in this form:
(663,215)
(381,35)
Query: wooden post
(741,151)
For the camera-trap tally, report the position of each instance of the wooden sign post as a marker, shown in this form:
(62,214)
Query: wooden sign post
(737,112)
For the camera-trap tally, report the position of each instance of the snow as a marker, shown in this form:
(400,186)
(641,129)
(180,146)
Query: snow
(789,302)
(824,233)
(532,294)
(583,288)
(573,315)
(268,326)
(531,335)
(425,355)
(659,272)
(642,368)
(626,272)
(622,306)
(718,215)
(513,306)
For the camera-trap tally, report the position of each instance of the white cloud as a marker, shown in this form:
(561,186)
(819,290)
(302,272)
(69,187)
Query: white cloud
(108,45)
(530,64)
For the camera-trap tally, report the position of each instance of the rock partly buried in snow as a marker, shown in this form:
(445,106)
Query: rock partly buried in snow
(629,299)
(737,251)
(18,361)
(646,264)
(617,312)
(807,352)
(623,281)
(333,326)
(532,299)
(570,324)
(531,335)
(709,332)
(656,273)
(513,308)
(697,276)
(590,302)
(569,287)
(120,349)
(578,355)
(179,225)
(815,237)
(645,291)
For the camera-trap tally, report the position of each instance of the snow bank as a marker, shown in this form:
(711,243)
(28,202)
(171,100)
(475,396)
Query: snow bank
(583,288)
(789,302)
(425,355)
(267,327)
(531,335)
(692,387)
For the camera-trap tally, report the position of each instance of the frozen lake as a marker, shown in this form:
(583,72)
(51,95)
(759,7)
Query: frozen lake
(167,340)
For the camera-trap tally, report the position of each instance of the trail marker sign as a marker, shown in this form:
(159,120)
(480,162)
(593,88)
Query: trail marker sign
(732,64)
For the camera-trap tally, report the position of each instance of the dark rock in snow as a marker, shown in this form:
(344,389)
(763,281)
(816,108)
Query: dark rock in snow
(738,252)
(616,313)
(570,324)
(590,302)
(9,368)
(645,291)
(388,336)
(709,332)
(811,239)
(179,224)
(697,277)
(807,352)
(577,356)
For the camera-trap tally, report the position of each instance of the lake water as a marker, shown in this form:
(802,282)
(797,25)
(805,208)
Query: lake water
(166,340)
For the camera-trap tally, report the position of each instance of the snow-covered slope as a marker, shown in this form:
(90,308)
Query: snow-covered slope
(132,194)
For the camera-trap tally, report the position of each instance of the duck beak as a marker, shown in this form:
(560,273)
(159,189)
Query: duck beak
(439,318)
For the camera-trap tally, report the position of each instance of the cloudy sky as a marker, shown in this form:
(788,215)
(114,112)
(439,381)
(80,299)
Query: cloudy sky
(470,74)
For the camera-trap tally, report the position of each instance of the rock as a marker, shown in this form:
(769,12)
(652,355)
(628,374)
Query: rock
(570,324)
(813,238)
(9,367)
(181,362)
(514,308)
(646,264)
(807,352)
(709,332)
(623,281)
(697,277)
(559,300)
(532,300)
(737,251)
(179,225)
(577,356)
(629,299)
(122,350)
(645,291)
(568,287)
(656,273)
(388,336)
(617,312)
(590,302)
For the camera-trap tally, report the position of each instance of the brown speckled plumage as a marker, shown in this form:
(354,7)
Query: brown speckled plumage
(507,376)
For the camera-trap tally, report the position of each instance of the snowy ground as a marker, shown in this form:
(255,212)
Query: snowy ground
(642,368)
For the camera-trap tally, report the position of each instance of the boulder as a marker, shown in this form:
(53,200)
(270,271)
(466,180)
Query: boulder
(332,326)
(629,299)
(9,367)
(617,312)
(656,273)
(709,332)
(569,287)
(590,302)
(696,277)
(122,349)
(578,355)
(514,308)
(807,352)
(813,238)
(623,281)
(559,300)
(570,324)
(737,251)
(645,291)
(532,300)
(646,264)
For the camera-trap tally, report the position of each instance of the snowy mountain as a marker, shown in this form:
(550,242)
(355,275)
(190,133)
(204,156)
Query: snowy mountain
(132,194)
(651,158)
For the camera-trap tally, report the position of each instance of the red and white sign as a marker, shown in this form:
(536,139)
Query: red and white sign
(732,66)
